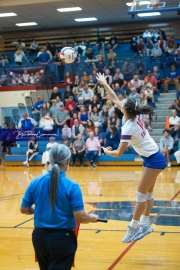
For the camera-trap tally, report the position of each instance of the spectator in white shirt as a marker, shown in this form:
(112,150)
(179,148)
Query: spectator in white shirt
(66,132)
(45,156)
(33,47)
(47,123)
(87,95)
(174,119)
(156,52)
(146,34)
(21,44)
(118,71)
(135,83)
(19,54)
(108,76)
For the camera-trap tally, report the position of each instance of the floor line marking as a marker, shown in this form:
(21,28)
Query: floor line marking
(10,195)
(134,242)
(23,223)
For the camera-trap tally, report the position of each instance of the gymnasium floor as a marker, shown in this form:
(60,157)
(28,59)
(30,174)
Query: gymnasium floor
(111,192)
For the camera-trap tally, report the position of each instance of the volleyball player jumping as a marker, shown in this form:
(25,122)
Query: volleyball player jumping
(134,133)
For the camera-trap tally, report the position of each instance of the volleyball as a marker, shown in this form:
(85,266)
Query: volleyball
(68,55)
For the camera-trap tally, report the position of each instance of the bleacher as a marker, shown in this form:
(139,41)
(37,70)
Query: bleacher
(124,34)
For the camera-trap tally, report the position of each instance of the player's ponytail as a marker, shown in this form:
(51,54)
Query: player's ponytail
(58,156)
(133,109)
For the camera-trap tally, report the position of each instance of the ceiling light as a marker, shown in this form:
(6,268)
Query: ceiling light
(26,24)
(86,19)
(141,3)
(69,9)
(7,14)
(149,14)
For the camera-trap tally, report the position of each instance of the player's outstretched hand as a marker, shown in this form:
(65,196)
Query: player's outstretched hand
(94,217)
(107,150)
(101,78)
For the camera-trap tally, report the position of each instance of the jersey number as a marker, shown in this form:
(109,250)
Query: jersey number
(141,124)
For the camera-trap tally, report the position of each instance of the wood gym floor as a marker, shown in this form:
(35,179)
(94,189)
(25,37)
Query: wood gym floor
(110,191)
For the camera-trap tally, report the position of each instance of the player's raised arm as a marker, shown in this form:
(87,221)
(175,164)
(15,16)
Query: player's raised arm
(102,79)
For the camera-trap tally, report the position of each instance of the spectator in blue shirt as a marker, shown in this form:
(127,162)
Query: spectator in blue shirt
(58,205)
(177,58)
(172,79)
(118,90)
(44,57)
(27,122)
(37,108)
(157,75)
(112,138)
(134,94)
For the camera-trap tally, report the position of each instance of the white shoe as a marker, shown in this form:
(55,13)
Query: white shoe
(132,234)
(25,162)
(169,164)
(144,230)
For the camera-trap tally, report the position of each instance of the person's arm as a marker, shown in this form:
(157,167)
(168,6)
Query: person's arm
(84,218)
(161,145)
(124,84)
(25,58)
(171,144)
(102,79)
(73,148)
(99,149)
(20,124)
(27,202)
(117,123)
(116,153)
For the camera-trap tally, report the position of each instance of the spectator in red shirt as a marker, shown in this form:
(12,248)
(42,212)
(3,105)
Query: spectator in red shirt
(171,41)
(152,79)
(69,103)
(141,48)
(69,79)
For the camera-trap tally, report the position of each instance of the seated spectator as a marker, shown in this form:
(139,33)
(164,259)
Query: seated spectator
(156,52)
(95,117)
(171,41)
(31,152)
(78,150)
(162,43)
(169,50)
(68,92)
(85,77)
(121,82)
(69,103)
(128,68)
(146,84)
(162,33)
(157,75)
(117,110)
(175,133)
(44,109)
(113,120)
(91,83)
(58,102)
(37,108)
(62,117)
(66,142)
(101,42)
(146,119)
(89,55)
(20,44)
(174,119)
(33,47)
(83,115)
(172,79)
(112,65)
(141,48)
(89,126)
(112,138)
(66,132)
(45,156)
(4,60)
(54,51)
(46,123)
(82,48)
(60,67)
(108,76)
(176,106)
(93,149)
(152,80)
(142,101)
(77,128)
(135,83)
(27,122)
(134,93)
(25,77)
(98,135)
(140,66)
(109,106)
(72,111)
(177,58)
(80,88)
(76,85)
(101,93)
(111,54)
(87,95)
(118,90)
(55,93)
(100,65)
(75,65)
(133,44)
(166,145)
(54,109)
(94,103)
(19,55)
(154,36)
(149,46)
(113,42)
(146,35)
(149,95)
(80,103)
(103,114)
(44,57)
(68,79)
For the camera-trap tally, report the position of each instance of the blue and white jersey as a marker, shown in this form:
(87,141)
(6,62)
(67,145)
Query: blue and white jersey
(135,133)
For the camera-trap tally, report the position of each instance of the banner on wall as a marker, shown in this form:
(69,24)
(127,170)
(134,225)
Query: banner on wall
(25,76)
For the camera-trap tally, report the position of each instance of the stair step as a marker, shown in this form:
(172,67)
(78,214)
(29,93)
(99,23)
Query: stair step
(158,125)
(156,132)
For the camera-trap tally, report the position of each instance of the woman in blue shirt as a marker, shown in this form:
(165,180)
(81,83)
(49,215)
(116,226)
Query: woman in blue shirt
(58,205)
(112,138)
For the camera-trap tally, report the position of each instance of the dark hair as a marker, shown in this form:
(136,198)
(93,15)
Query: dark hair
(113,128)
(133,109)
(166,130)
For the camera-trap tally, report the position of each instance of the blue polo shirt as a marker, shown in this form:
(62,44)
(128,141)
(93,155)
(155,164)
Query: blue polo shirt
(75,63)
(173,74)
(44,57)
(69,200)
(38,104)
